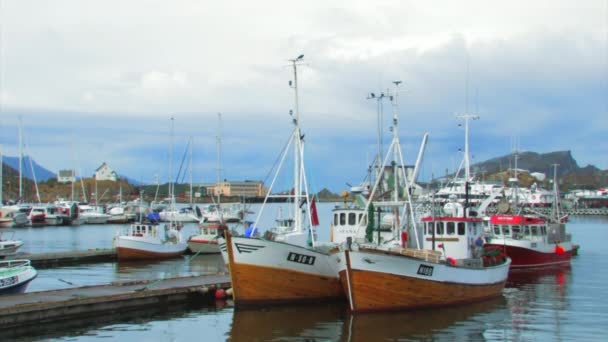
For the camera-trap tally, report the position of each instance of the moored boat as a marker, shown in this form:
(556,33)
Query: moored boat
(15,276)
(530,241)
(8,245)
(287,265)
(456,271)
(149,240)
(207,241)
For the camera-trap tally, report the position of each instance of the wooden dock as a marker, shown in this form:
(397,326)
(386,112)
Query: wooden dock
(55,259)
(80,303)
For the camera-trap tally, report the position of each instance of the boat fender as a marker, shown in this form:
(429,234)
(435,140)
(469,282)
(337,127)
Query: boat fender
(220,294)
(559,250)
(451,261)
(403,239)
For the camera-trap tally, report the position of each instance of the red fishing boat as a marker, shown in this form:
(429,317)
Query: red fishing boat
(531,241)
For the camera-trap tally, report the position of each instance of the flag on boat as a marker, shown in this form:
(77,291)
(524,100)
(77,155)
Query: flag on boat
(314,217)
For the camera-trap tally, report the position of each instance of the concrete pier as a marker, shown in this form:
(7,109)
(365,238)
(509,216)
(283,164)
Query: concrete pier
(96,301)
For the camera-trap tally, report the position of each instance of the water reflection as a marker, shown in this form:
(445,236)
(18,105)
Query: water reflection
(538,301)
(334,322)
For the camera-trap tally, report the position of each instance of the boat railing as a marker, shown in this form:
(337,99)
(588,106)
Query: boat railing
(14,263)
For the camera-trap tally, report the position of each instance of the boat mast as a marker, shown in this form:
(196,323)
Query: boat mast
(467,162)
(556,194)
(1,179)
(20,161)
(171,169)
(190,171)
(219,167)
(396,139)
(379,109)
(297,149)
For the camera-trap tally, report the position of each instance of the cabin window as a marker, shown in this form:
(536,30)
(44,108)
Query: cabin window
(361,219)
(342,219)
(543,230)
(439,227)
(429,228)
(352,218)
(496,230)
(335,219)
(527,230)
(461,229)
(534,230)
(451,229)
(506,230)
(517,232)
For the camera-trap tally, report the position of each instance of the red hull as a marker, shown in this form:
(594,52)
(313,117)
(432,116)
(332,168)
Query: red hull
(527,258)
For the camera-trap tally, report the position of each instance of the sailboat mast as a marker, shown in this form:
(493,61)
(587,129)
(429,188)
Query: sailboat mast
(20,161)
(190,171)
(219,159)
(1,179)
(297,148)
(171,167)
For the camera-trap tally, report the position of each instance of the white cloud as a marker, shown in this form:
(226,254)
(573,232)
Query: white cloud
(531,65)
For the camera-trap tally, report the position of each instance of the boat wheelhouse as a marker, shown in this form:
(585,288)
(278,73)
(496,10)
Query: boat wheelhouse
(530,241)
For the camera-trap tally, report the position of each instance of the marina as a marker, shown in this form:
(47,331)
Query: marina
(333,199)
(534,305)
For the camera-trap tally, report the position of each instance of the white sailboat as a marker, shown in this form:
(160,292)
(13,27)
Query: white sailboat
(288,264)
(212,224)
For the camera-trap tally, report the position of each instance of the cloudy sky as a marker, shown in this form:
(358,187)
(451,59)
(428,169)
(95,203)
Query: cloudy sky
(97,81)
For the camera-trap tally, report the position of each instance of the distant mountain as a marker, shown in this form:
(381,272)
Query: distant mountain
(570,174)
(531,161)
(42,174)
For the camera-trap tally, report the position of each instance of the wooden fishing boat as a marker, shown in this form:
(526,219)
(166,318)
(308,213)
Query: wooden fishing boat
(456,271)
(287,265)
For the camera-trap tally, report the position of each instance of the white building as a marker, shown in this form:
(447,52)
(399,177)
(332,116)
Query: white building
(104,172)
(65,176)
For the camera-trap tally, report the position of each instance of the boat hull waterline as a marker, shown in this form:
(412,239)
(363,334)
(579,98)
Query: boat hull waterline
(265,271)
(384,282)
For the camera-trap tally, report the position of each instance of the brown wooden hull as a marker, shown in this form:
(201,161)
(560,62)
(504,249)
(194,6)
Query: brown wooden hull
(256,284)
(138,254)
(376,291)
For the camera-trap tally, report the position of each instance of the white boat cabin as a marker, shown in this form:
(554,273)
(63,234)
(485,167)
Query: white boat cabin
(459,236)
(347,222)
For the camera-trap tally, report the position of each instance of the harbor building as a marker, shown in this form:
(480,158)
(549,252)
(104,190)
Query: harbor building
(105,172)
(66,176)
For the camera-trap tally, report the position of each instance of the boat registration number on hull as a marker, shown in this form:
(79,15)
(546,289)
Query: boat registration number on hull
(8,281)
(425,270)
(301,258)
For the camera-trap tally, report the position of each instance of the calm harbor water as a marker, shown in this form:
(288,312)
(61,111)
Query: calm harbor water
(550,305)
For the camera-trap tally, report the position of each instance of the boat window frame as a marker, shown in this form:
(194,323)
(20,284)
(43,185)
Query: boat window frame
(506,230)
(497,230)
(439,228)
(336,218)
(450,228)
(516,234)
(461,228)
(342,219)
(352,219)
(534,230)
(527,231)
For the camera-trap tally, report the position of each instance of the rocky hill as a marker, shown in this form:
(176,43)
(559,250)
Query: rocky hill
(569,173)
